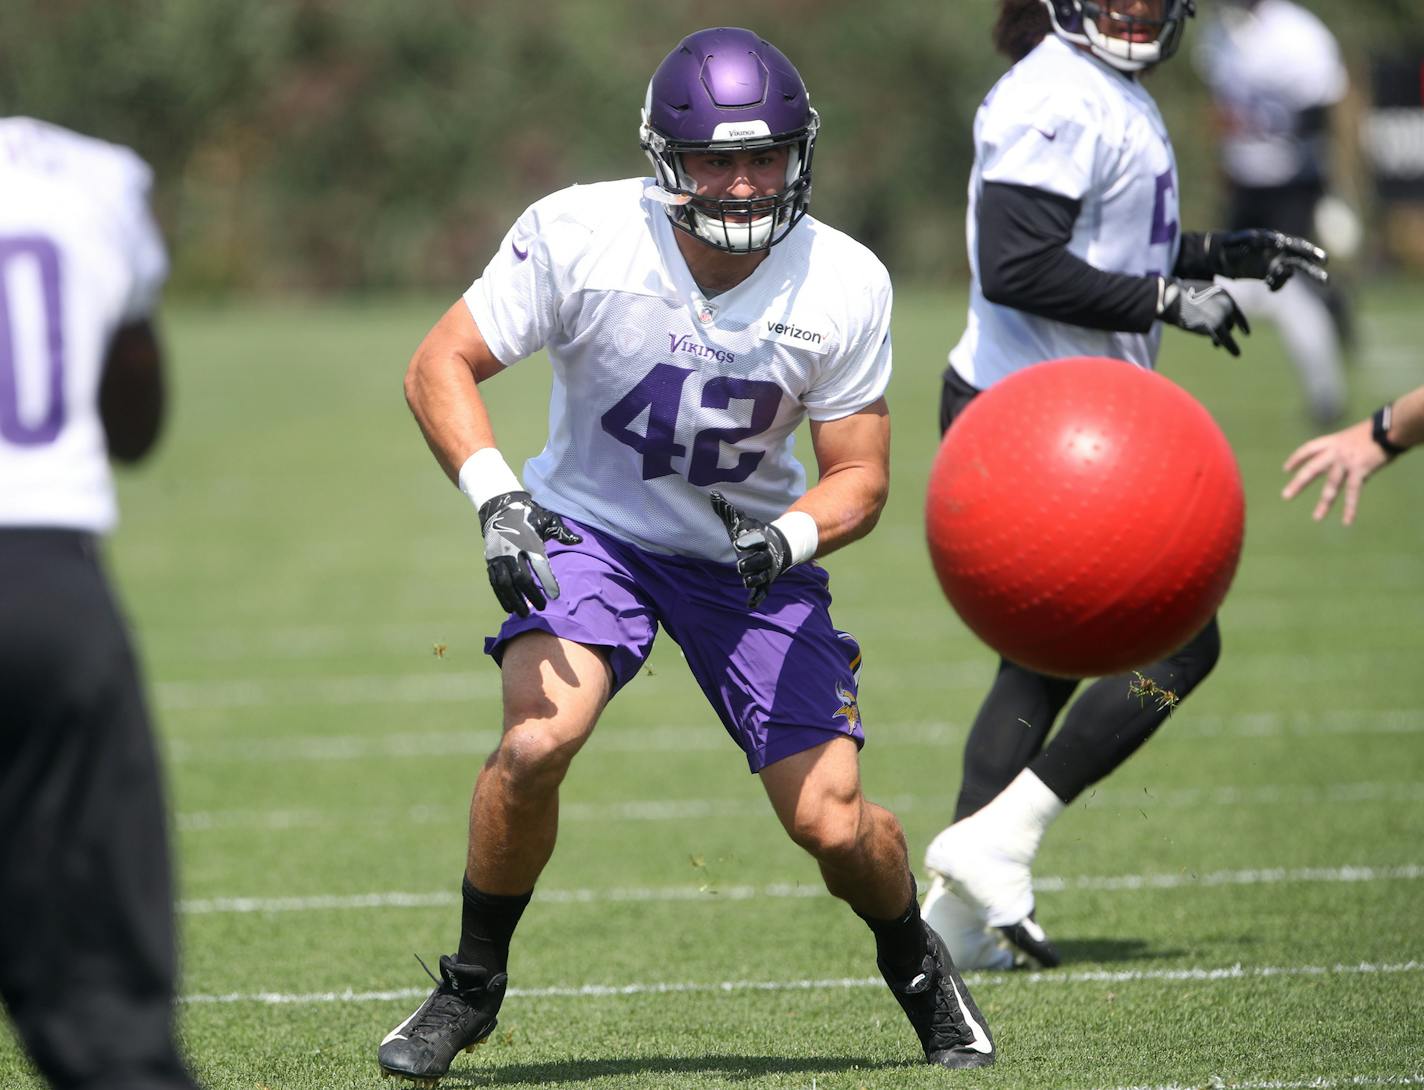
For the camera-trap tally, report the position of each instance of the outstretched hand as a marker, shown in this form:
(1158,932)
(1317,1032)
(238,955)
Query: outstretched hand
(1269,256)
(762,550)
(1346,459)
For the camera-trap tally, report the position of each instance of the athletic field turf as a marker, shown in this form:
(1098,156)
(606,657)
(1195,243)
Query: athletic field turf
(1239,906)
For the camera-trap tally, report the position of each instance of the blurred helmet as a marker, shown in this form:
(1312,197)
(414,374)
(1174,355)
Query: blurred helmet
(1118,32)
(726,89)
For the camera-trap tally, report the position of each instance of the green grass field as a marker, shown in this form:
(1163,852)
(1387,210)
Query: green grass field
(1239,905)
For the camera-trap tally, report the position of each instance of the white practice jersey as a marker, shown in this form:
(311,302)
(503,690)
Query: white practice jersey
(1264,66)
(1064,122)
(661,395)
(80,256)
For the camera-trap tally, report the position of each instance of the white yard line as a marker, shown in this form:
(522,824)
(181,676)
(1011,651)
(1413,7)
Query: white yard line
(1187,798)
(1317,1082)
(713,892)
(447,684)
(604,991)
(708,736)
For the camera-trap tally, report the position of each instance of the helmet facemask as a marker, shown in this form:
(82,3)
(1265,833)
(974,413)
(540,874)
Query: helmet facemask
(736,225)
(1129,43)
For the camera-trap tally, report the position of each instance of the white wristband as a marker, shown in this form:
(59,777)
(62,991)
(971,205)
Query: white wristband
(801,534)
(486,475)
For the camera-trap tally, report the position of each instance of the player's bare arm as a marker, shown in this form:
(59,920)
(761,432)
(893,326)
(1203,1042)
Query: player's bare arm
(441,388)
(853,456)
(131,392)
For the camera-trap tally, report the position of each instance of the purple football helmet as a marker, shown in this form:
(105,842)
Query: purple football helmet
(1128,42)
(726,89)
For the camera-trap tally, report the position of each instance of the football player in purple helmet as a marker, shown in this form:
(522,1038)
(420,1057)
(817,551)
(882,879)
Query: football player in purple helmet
(692,321)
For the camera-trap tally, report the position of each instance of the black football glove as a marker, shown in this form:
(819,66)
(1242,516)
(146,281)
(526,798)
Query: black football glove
(762,550)
(1199,306)
(515,529)
(1264,255)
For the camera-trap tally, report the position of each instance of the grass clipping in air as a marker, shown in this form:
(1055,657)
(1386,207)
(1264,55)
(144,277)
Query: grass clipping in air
(1145,689)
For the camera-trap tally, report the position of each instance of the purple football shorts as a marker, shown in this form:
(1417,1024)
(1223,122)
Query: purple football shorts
(781,678)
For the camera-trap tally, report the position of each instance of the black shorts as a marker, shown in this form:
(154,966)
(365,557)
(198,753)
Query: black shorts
(86,952)
(954,395)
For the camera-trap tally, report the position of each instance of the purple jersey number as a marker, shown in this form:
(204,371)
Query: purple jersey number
(659,394)
(719,393)
(1163,229)
(15,252)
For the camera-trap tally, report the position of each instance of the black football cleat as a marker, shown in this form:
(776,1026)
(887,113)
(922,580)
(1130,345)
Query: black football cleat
(459,1014)
(951,1030)
(1032,947)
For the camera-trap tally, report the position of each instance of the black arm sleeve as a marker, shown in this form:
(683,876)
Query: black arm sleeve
(1024,263)
(1193,262)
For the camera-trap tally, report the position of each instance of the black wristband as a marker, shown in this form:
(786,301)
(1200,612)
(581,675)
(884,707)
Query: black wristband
(1379,431)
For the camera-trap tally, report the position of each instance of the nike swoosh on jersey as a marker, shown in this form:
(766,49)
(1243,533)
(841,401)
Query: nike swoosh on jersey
(520,254)
(1046,135)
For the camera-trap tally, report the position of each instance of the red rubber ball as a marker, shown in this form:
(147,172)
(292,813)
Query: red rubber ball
(1085,517)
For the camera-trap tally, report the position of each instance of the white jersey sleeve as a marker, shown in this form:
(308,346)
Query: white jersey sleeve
(1034,135)
(515,300)
(859,373)
(143,242)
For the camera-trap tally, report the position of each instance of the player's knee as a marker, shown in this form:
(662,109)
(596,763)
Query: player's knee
(831,835)
(533,755)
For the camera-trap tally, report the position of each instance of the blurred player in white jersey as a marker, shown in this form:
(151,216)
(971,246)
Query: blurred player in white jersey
(86,950)
(693,320)
(1275,72)
(1075,251)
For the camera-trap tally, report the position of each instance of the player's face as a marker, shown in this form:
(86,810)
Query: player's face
(738,175)
(1148,16)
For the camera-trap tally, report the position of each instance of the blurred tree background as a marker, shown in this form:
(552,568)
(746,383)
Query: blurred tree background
(333,145)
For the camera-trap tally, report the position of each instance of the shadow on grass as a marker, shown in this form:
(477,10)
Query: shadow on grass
(735,1068)
(1078,952)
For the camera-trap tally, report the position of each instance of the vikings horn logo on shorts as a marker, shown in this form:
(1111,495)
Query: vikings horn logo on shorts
(849,709)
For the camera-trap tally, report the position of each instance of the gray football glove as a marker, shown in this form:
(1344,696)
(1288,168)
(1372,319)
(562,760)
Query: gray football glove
(515,529)
(1199,306)
(1264,255)
(762,550)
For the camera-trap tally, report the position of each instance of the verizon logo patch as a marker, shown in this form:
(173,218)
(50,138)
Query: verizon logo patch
(789,333)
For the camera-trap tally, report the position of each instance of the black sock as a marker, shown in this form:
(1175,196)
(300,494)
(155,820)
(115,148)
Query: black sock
(487,923)
(900,943)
